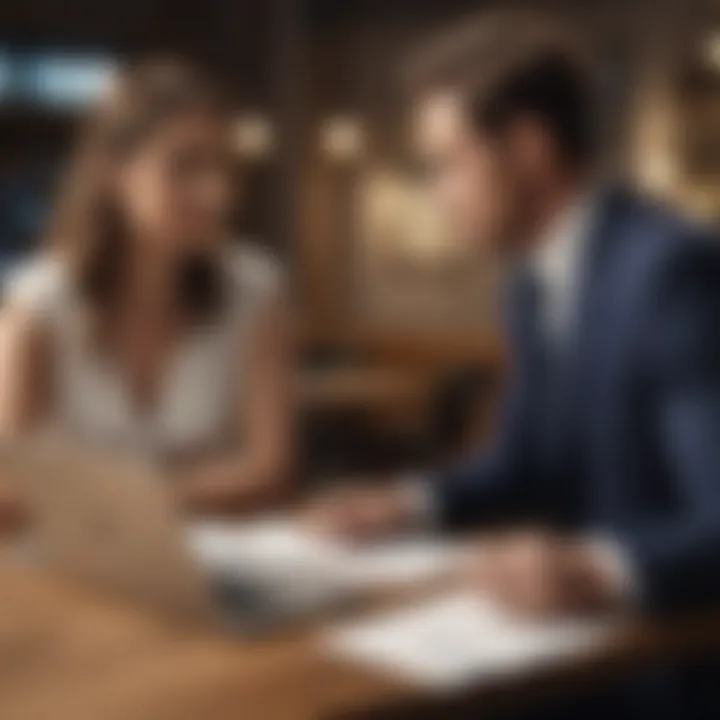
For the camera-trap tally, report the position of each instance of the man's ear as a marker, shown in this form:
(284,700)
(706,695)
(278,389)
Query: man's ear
(529,146)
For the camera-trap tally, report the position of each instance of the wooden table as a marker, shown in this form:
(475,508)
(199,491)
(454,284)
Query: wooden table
(389,395)
(67,652)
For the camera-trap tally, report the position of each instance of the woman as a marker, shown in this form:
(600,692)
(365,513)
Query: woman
(143,326)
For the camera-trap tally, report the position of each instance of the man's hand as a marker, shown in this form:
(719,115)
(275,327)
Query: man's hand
(361,512)
(541,574)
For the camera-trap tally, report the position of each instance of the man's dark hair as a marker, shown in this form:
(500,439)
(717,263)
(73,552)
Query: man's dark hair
(510,64)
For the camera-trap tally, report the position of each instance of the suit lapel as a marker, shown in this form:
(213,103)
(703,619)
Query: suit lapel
(583,345)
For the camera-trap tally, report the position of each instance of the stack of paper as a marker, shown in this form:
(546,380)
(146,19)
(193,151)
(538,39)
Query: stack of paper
(448,642)
(279,549)
(398,561)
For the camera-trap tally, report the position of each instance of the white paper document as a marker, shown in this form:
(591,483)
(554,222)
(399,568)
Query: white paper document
(279,549)
(448,642)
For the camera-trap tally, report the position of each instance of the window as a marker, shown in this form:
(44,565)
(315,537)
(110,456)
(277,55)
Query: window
(53,79)
(65,80)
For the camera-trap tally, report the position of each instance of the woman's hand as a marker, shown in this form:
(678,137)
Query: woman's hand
(229,485)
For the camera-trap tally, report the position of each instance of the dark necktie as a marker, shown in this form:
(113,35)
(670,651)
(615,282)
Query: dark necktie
(546,362)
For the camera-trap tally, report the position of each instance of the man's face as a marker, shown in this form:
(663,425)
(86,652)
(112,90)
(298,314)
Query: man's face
(468,177)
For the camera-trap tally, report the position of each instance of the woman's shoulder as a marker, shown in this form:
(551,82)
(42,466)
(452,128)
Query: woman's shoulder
(38,284)
(255,271)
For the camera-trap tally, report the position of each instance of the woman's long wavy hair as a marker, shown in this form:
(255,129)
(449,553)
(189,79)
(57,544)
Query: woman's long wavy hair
(87,227)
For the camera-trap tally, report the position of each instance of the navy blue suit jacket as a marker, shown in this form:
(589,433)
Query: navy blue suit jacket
(627,445)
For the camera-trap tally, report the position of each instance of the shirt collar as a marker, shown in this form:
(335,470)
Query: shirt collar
(560,250)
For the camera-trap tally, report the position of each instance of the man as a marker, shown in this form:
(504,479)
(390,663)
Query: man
(609,445)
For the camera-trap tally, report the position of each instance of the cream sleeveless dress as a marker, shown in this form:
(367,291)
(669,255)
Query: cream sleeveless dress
(197,402)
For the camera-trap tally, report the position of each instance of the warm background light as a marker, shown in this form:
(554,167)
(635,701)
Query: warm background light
(712,50)
(342,138)
(254,136)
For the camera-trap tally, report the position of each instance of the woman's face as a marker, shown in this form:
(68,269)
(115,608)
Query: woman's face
(176,188)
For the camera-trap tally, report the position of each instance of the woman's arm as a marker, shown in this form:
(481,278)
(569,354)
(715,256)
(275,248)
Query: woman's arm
(24,388)
(24,372)
(259,473)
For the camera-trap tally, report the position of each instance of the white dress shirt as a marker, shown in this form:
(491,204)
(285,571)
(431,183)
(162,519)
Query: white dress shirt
(557,264)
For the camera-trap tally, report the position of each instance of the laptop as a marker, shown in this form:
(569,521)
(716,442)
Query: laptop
(112,520)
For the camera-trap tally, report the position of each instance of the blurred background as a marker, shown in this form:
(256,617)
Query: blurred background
(400,358)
